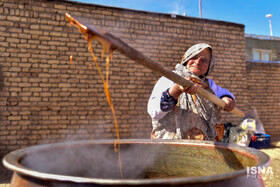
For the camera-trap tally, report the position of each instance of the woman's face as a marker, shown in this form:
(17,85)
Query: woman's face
(199,64)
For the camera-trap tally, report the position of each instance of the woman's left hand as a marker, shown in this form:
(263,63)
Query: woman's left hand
(197,84)
(230,104)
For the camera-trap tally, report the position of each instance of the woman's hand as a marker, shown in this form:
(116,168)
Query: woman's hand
(176,90)
(197,84)
(230,104)
(192,90)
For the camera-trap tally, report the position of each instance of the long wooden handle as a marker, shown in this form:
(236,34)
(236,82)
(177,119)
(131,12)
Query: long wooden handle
(116,43)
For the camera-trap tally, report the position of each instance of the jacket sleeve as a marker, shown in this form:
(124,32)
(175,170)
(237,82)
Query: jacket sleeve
(160,101)
(219,91)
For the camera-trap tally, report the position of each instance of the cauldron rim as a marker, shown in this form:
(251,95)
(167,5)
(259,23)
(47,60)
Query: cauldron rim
(11,161)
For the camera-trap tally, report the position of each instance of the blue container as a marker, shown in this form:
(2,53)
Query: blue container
(259,141)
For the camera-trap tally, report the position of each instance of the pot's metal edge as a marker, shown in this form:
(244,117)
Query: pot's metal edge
(14,156)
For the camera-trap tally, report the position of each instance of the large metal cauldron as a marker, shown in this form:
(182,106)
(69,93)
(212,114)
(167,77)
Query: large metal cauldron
(144,162)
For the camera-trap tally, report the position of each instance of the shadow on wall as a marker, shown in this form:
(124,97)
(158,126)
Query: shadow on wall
(1,88)
(5,174)
(1,79)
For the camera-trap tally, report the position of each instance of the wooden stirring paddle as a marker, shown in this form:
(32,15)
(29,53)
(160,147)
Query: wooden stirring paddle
(111,42)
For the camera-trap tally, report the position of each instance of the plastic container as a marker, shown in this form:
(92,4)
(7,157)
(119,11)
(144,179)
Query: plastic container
(259,141)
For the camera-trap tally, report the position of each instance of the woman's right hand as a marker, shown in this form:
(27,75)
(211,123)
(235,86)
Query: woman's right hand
(176,90)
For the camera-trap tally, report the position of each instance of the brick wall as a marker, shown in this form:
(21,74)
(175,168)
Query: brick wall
(45,99)
(263,93)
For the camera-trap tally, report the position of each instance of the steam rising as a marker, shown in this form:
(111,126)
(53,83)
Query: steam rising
(98,161)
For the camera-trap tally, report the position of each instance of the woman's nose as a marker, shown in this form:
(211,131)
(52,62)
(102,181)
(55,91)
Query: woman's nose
(198,60)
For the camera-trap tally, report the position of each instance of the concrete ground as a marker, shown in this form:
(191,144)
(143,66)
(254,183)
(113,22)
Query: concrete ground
(274,153)
(269,181)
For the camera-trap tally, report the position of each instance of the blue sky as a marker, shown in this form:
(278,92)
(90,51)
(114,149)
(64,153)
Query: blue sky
(251,13)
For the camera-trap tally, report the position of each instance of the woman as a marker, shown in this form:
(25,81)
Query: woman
(179,113)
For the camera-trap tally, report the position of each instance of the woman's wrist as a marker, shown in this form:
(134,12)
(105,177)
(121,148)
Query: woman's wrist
(175,91)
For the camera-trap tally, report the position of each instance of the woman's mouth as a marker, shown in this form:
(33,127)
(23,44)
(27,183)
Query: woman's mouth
(195,67)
